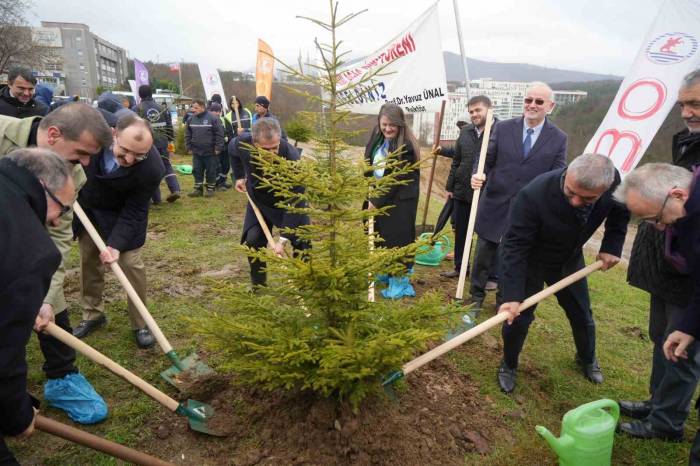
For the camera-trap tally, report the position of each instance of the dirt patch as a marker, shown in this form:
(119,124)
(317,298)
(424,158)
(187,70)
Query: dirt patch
(439,417)
(200,388)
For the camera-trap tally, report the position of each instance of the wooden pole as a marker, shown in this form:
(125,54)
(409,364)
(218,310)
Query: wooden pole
(261,221)
(475,204)
(498,318)
(238,117)
(370,235)
(436,143)
(85,439)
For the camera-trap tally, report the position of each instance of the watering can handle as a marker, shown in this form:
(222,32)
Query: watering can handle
(598,404)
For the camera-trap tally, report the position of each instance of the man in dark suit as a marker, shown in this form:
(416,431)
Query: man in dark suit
(120,182)
(266,136)
(550,221)
(519,150)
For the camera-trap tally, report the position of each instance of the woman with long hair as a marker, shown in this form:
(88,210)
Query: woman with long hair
(398,227)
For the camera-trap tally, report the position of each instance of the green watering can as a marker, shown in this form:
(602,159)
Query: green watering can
(587,434)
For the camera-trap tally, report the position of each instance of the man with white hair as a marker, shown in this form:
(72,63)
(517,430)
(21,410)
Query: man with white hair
(519,149)
(671,385)
(668,197)
(551,219)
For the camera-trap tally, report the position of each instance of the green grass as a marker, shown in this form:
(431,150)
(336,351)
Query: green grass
(199,235)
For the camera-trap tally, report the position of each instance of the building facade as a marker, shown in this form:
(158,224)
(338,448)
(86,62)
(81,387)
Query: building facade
(88,61)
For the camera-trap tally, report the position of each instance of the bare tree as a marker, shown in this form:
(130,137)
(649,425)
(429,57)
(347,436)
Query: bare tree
(16,43)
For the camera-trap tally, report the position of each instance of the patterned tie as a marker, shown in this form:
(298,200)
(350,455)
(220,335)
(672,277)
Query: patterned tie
(527,143)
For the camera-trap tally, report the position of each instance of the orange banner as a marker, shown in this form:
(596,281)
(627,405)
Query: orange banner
(263,70)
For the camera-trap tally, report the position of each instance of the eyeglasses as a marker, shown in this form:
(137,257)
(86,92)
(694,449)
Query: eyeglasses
(657,220)
(64,208)
(530,100)
(125,152)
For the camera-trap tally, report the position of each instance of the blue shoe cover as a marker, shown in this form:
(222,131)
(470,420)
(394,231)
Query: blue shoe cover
(382,278)
(74,395)
(399,287)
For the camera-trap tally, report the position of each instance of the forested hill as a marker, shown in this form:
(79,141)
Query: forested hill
(581,120)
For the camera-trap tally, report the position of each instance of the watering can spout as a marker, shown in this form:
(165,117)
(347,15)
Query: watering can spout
(559,445)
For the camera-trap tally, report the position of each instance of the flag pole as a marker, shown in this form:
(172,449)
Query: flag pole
(461,48)
(179,74)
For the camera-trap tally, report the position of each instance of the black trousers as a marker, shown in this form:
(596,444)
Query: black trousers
(672,384)
(255,238)
(460,217)
(205,166)
(485,264)
(573,299)
(59,358)
(6,456)
(224,167)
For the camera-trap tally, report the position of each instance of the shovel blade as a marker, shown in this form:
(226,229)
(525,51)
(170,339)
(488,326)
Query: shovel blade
(202,425)
(193,366)
(467,322)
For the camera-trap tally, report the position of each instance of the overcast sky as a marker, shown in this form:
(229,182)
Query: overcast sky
(584,35)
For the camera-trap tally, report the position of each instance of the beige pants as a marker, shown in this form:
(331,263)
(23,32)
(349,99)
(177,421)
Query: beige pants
(92,280)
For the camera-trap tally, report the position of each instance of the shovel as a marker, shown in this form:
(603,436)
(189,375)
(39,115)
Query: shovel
(482,327)
(192,364)
(198,414)
(85,439)
(423,228)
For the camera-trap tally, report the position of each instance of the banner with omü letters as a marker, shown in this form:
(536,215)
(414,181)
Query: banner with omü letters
(649,91)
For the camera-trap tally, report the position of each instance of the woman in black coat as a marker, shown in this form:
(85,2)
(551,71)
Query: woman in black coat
(397,228)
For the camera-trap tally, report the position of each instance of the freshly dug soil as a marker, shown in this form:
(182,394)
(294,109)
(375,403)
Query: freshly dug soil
(439,417)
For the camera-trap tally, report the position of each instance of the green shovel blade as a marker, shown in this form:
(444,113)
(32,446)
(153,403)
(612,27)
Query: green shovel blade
(194,367)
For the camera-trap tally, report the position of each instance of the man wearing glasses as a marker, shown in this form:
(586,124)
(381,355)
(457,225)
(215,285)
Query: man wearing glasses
(266,136)
(116,197)
(35,184)
(672,385)
(551,219)
(519,149)
(669,196)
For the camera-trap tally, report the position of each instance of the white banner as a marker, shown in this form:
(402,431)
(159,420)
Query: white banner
(649,91)
(212,83)
(415,71)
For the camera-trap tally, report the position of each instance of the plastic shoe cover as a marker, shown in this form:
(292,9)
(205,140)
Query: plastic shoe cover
(74,395)
(399,287)
(382,278)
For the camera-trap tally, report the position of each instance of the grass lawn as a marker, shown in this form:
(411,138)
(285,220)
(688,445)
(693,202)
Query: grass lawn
(192,245)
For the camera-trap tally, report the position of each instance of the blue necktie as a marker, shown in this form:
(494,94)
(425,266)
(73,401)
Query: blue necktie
(527,143)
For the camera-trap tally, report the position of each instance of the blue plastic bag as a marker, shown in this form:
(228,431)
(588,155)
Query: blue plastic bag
(74,395)
(399,287)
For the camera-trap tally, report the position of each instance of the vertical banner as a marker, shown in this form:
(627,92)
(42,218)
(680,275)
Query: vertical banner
(649,91)
(212,83)
(263,70)
(412,71)
(134,89)
(140,78)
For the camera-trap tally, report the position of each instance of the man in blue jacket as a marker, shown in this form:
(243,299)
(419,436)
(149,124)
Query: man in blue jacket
(550,220)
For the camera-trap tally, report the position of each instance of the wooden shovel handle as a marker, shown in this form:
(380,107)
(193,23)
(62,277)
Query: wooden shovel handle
(238,117)
(498,318)
(96,443)
(91,353)
(370,235)
(261,221)
(130,291)
(475,203)
(436,143)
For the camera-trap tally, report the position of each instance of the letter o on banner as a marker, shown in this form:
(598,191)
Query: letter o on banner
(635,144)
(636,102)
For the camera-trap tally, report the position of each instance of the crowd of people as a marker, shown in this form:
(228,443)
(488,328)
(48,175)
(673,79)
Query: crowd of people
(535,213)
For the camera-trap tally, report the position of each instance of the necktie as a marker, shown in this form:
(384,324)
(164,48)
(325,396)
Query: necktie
(527,143)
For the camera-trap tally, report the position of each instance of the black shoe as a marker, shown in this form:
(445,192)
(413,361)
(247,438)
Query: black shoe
(450,274)
(173,197)
(506,378)
(635,409)
(644,430)
(197,192)
(209,193)
(591,371)
(84,328)
(221,187)
(144,339)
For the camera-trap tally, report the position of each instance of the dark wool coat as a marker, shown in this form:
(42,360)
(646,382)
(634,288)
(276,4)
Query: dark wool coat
(398,228)
(117,203)
(11,106)
(507,171)
(28,259)
(545,231)
(648,270)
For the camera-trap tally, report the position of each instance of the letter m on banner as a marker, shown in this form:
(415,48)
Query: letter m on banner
(648,92)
